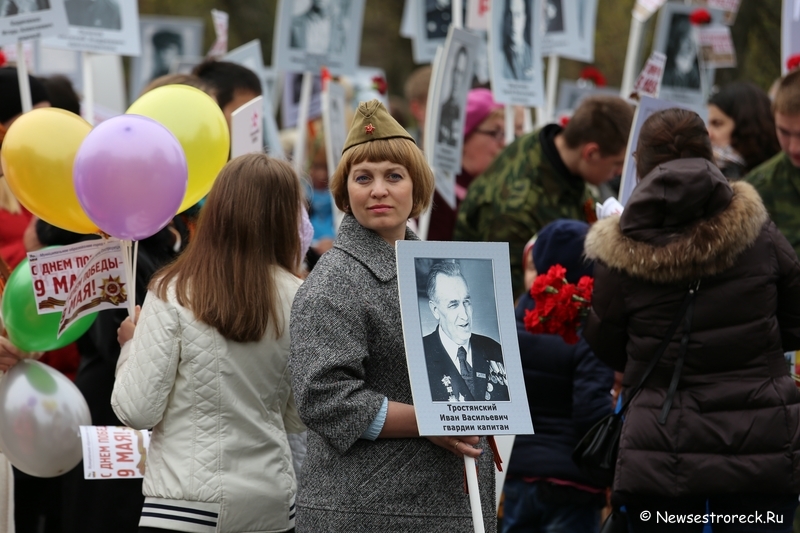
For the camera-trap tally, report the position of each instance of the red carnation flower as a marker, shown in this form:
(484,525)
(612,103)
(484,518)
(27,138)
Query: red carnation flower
(560,306)
(793,62)
(563,121)
(700,17)
(3,58)
(379,84)
(594,75)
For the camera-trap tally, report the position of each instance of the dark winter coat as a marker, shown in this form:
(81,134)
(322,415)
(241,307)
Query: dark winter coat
(734,425)
(569,390)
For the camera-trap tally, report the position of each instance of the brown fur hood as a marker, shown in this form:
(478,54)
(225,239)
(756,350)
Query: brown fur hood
(705,248)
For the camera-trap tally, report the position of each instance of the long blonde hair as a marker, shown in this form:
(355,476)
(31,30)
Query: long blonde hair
(8,202)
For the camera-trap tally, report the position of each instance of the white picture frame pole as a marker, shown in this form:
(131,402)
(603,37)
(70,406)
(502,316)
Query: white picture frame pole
(22,77)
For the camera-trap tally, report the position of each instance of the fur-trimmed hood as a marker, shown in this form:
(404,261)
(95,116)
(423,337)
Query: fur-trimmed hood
(703,246)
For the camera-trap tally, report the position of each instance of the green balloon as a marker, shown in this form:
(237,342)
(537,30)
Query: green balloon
(27,329)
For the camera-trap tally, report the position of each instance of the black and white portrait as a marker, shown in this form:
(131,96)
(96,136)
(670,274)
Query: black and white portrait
(169,45)
(321,27)
(462,364)
(682,69)
(9,8)
(438,17)
(517,48)
(460,337)
(167,51)
(450,114)
(310,34)
(553,16)
(104,14)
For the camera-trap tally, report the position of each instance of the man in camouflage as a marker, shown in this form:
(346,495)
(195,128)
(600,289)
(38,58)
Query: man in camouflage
(542,176)
(778,180)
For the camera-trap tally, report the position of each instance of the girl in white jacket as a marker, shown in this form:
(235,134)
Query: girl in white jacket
(207,366)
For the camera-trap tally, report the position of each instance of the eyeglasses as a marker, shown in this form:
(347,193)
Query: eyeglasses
(499,135)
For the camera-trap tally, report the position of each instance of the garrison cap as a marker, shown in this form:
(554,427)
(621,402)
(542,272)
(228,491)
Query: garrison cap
(371,122)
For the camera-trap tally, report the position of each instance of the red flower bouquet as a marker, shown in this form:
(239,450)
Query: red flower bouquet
(700,17)
(560,305)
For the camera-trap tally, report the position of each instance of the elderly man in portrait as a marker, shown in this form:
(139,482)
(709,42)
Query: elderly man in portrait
(462,366)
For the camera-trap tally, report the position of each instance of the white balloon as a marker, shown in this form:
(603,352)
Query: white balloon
(40,411)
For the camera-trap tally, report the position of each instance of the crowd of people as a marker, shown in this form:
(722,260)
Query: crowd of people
(268,360)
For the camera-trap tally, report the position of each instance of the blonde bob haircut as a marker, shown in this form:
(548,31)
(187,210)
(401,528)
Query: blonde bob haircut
(396,150)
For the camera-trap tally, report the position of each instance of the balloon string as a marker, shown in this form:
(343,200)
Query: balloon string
(133,278)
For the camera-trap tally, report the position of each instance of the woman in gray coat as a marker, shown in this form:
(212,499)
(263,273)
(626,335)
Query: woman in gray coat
(367,469)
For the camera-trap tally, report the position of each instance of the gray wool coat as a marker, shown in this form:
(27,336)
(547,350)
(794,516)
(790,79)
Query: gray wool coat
(347,354)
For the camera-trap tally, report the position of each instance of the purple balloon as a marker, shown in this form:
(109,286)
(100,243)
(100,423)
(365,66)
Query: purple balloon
(130,176)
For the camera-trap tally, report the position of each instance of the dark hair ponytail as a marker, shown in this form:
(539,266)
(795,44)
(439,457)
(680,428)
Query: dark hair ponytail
(671,134)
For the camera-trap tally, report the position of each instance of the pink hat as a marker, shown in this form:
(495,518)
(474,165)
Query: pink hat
(479,104)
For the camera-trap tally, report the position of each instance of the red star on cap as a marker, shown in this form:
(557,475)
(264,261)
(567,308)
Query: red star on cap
(369,128)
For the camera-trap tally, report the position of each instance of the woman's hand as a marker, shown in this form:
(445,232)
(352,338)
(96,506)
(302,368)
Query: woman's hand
(460,446)
(10,355)
(128,326)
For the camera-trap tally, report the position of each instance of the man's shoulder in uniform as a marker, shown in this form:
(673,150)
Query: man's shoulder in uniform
(771,172)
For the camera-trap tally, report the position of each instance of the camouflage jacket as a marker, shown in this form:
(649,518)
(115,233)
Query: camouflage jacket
(519,193)
(778,183)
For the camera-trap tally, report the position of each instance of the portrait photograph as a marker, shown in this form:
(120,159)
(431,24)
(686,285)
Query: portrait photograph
(561,27)
(517,35)
(165,42)
(310,34)
(684,81)
(462,364)
(427,26)
(452,79)
(100,26)
(515,59)
(460,336)
(103,14)
(586,15)
(553,16)
(31,19)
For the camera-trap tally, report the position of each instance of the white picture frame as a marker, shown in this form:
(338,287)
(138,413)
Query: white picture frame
(310,35)
(165,42)
(516,68)
(24,20)
(497,404)
(452,77)
(684,81)
(101,26)
(560,26)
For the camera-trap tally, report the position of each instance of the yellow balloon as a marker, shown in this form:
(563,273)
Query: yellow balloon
(37,155)
(199,125)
